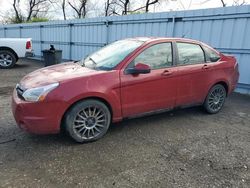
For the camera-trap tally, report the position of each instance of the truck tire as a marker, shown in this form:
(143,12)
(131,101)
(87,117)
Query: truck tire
(7,59)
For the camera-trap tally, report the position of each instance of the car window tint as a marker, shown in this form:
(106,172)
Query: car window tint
(211,55)
(190,53)
(156,56)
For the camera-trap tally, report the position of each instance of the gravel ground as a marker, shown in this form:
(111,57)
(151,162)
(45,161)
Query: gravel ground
(183,148)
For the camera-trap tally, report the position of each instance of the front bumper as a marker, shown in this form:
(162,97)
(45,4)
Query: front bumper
(38,118)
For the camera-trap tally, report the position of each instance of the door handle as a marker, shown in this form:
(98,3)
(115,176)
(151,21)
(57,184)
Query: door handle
(166,73)
(205,67)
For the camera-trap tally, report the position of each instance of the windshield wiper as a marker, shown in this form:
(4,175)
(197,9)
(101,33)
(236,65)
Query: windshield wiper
(91,59)
(81,62)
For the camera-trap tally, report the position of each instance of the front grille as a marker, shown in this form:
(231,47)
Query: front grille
(20,90)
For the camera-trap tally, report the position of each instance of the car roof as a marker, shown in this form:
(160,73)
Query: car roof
(155,39)
(151,39)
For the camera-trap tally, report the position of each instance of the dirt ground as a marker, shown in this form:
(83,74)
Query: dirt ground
(183,148)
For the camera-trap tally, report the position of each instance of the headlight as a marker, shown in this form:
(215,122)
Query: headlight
(38,93)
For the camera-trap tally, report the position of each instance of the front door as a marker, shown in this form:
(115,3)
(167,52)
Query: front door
(153,91)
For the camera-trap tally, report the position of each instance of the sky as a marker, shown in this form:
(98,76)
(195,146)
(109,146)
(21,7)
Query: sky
(170,5)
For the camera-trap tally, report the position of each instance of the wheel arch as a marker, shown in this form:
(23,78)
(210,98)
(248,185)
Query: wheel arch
(11,50)
(101,99)
(224,84)
(206,104)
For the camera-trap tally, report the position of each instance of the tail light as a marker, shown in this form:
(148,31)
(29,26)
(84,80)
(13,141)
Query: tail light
(236,66)
(28,45)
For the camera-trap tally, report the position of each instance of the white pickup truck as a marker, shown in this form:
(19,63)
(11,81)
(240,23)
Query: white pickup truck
(11,49)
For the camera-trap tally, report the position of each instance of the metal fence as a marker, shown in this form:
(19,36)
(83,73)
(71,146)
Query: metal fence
(226,29)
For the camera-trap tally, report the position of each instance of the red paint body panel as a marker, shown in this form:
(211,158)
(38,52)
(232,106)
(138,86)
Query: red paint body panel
(38,118)
(193,81)
(127,94)
(153,91)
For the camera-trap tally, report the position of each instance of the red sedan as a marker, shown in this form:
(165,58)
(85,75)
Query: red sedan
(128,78)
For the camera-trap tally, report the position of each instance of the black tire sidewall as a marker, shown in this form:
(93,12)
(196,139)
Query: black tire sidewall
(12,56)
(206,105)
(70,116)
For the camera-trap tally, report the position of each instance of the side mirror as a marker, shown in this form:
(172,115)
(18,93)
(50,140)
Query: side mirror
(139,68)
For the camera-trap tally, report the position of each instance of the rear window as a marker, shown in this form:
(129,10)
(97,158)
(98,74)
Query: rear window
(211,55)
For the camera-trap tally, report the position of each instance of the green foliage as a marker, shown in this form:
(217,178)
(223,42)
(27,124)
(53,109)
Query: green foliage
(38,19)
(15,20)
(137,12)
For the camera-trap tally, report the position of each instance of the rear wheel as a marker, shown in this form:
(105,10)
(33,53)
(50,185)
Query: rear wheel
(7,59)
(87,121)
(215,99)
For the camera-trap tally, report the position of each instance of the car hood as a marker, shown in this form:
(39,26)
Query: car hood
(56,73)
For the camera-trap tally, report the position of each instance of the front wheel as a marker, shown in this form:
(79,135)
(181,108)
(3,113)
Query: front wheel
(87,120)
(7,59)
(215,99)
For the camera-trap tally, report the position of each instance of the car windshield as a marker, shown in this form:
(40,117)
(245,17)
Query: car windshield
(111,55)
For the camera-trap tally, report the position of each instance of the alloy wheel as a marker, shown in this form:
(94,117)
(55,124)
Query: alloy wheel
(89,122)
(5,60)
(216,98)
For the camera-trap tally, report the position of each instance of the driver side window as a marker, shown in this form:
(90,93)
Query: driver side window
(157,56)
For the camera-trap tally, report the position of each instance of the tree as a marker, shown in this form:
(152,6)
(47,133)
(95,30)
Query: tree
(223,3)
(235,3)
(80,7)
(18,18)
(35,7)
(239,2)
(145,6)
(109,7)
(61,5)
(63,9)
(116,7)
(123,5)
(149,2)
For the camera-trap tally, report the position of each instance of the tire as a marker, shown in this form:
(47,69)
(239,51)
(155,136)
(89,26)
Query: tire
(7,59)
(215,99)
(87,121)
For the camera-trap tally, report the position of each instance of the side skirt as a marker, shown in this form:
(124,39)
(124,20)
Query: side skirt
(161,111)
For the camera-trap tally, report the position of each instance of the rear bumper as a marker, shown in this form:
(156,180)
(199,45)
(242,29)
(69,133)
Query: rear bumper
(29,54)
(234,82)
(36,118)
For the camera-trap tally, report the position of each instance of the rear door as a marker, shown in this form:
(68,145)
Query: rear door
(194,74)
(153,91)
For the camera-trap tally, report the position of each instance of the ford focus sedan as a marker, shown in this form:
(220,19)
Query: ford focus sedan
(128,78)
